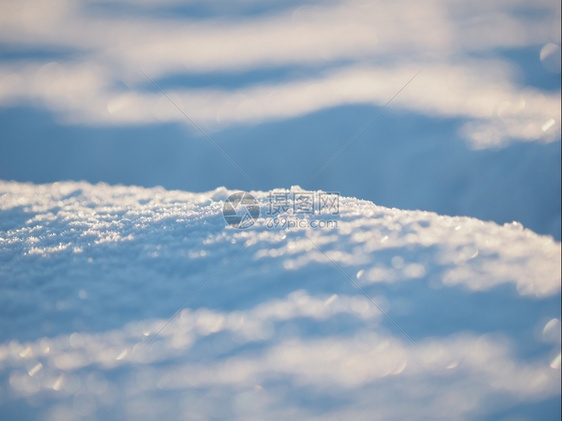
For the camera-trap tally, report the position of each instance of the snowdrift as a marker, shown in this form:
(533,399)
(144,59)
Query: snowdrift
(134,303)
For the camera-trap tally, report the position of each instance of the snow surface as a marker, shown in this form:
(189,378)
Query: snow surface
(134,303)
(99,91)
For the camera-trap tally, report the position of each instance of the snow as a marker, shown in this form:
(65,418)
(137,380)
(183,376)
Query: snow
(123,302)
(434,291)
(280,86)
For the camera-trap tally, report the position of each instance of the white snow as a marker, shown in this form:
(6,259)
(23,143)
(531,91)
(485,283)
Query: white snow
(450,42)
(134,303)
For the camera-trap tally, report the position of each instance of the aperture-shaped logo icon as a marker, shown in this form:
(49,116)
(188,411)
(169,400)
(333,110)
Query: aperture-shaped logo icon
(241,210)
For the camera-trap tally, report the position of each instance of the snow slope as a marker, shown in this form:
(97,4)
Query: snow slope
(134,303)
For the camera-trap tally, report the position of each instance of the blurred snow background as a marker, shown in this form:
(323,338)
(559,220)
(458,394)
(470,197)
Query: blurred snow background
(444,106)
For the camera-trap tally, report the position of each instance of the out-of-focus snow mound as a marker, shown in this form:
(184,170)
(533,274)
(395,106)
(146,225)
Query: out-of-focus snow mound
(462,318)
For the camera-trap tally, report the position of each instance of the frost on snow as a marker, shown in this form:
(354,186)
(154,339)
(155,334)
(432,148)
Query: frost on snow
(133,303)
